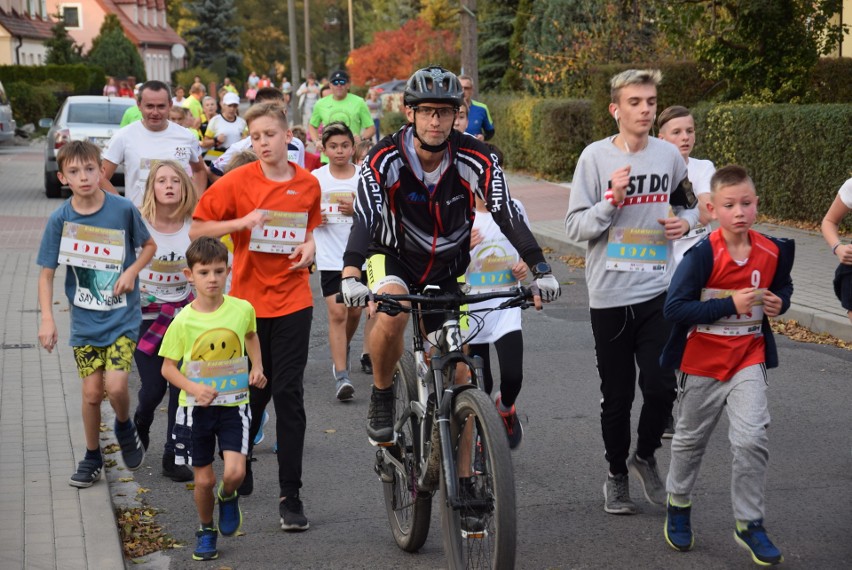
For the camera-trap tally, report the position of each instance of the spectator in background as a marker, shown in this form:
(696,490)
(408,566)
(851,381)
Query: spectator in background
(124,90)
(374,103)
(227,85)
(839,209)
(479,122)
(264,82)
(110,89)
(180,95)
(308,94)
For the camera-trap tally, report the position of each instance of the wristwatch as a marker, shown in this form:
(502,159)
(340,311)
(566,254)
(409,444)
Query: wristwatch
(541,268)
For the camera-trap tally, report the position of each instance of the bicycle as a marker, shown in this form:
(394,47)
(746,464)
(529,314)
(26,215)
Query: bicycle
(443,429)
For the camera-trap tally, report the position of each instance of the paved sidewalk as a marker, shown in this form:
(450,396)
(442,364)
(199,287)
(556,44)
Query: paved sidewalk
(814,304)
(49,525)
(46,523)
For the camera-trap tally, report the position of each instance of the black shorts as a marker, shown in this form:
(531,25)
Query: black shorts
(197,429)
(384,269)
(330,282)
(843,285)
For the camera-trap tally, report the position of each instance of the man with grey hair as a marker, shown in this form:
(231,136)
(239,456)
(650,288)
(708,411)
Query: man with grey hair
(479,123)
(630,198)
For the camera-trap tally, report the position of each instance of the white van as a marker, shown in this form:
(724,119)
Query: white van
(7,123)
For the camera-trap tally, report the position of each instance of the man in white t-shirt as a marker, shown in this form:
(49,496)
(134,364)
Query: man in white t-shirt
(152,138)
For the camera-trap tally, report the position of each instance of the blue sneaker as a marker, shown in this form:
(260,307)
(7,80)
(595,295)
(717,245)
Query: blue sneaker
(259,437)
(755,540)
(132,451)
(678,529)
(230,515)
(205,547)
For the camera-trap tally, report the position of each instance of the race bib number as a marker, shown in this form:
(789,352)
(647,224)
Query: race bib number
(491,270)
(91,247)
(165,280)
(734,325)
(229,378)
(636,249)
(330,209)
(281,234)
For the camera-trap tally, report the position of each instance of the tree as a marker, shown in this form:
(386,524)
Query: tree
(396,54)
(61,49)
(764,50)
(264,41)
(215,40)
(114,52)
(496,28)
(383,15)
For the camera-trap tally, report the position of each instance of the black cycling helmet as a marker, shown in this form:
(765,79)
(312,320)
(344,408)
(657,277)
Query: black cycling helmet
(433,84)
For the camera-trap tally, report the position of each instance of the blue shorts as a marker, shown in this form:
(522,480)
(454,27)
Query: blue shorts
(197,429)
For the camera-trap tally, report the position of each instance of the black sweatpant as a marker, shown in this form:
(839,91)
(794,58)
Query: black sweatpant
(152,389)
(625,337)
(510,356)
(284,343)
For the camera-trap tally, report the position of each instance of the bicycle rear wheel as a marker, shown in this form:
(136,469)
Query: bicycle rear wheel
(491,544)
(409,510)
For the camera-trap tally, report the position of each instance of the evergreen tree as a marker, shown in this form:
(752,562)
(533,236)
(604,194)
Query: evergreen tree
(114,52)
(61,49)
(497,24)
(215,41)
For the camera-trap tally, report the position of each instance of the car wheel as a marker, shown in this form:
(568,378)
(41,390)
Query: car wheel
(52,185)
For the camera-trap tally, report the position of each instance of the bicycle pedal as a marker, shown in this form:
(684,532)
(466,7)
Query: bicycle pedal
(382,469)
(390,443)
(474,534)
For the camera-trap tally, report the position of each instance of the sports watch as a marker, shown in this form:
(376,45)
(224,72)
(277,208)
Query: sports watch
(541,268)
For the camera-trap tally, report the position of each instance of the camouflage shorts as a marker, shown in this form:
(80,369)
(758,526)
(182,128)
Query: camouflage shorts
(117,356)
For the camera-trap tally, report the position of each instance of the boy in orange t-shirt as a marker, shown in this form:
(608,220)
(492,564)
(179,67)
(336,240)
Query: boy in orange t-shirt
(270,208)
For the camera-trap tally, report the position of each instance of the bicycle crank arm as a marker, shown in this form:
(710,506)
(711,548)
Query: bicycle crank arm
(384,460)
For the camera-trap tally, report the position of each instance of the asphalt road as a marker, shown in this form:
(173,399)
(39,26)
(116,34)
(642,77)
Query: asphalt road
(559,469)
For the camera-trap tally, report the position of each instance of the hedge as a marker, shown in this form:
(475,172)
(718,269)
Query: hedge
(83,79)
(798,155)
(831,81)
(32,102)
(543,136)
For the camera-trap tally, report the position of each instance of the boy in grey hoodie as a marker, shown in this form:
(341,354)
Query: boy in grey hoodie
(630,197)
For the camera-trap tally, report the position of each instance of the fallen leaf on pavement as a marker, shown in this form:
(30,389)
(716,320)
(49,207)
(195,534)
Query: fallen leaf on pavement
(576,261)
(794,331)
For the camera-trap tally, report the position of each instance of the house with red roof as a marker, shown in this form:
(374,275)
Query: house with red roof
(24,26)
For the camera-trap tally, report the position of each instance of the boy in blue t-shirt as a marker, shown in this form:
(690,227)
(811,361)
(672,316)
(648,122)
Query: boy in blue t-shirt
(96,234)
(211,337)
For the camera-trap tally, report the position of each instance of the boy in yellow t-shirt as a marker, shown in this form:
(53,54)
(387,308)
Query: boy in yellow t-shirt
(211,336)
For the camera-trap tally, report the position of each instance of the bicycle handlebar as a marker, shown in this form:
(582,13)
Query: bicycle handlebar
(515,297)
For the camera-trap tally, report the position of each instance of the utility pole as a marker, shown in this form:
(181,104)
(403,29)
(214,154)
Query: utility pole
(351,30)
(294,53)
(469,39)
(308,63)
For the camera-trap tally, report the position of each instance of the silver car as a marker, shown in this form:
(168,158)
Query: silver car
(7,123)
(90,118)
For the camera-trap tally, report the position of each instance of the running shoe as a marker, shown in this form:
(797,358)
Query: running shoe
(617,495)
(230,515)
(344,390)
(366,364)
(177,473)
(263,419)
(292,513)
(756,541)
(144,431)
(205,547)
(646,471)
(471,516)
(380,417)
(514,428)
(132,451)
(678,528)
(88,471)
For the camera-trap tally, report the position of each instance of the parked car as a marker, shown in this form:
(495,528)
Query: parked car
(92,118)
(7,123)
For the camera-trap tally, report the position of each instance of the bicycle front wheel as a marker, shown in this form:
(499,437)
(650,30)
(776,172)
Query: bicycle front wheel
(408,509)
(482,533)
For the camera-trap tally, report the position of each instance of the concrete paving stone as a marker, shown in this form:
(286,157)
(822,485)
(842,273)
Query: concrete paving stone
(40,561)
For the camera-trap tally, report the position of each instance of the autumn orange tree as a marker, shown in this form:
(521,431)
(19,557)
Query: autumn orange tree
(396,54)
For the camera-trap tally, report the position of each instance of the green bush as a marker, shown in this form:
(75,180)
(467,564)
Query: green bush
(541,136)
(798,155)
(185,76)
(31,102)
(830,81)
(83,79)
(391,122)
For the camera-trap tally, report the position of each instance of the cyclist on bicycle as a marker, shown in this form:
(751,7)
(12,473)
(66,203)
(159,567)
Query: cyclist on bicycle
(414,211)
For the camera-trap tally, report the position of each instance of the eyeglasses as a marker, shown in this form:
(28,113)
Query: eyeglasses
(440,112)
(339,82)
(468,88)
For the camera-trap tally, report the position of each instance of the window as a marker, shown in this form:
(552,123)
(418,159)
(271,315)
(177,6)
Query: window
(71,16)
